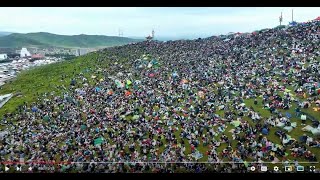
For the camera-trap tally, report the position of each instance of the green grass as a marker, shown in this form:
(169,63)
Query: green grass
(44,79)
(295,133)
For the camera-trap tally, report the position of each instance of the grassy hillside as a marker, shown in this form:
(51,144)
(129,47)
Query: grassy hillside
(43,79)
(18,41)
(46,79)
(47,39)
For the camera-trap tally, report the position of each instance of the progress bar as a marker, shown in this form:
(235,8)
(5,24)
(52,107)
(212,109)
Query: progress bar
(197,162)
(139,162)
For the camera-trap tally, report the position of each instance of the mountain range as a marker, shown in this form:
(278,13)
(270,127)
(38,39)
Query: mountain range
(44,39)
(4,33)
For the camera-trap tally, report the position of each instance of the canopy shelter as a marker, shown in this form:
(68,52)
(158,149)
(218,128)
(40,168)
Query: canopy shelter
(317,19)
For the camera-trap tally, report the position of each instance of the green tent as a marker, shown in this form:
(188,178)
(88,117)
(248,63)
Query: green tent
(63,168)
(119,84)
(246,163)
(46,118)
(287,90)
(235,123)
(135,117)
(83,127)
(98,141)
(129,82)
(69,99)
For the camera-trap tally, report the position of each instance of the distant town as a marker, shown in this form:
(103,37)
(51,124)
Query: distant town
(13,61)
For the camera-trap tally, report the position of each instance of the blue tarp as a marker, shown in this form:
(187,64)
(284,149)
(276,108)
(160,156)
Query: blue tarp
(34,109)
(81,92)
(293,23)
(303,139)
(174,74)
(197,155)
(98,89)
(170,123)
(73,82)
(265,131)
(34,135)
(288,115)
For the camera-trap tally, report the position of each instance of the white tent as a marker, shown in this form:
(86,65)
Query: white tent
(3,56)
(24,52)
(3,133)
(4,99)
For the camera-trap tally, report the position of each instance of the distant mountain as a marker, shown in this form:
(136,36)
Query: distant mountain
(4,33)
(43,39)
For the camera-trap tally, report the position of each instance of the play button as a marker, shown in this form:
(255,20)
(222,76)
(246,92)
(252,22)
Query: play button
(253,168)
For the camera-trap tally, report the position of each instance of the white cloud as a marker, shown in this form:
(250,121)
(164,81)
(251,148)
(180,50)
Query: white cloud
(136,21)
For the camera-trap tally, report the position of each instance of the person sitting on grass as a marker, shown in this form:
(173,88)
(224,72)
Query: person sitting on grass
(297,110)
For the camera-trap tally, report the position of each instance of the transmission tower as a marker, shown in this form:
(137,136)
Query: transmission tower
(120,32)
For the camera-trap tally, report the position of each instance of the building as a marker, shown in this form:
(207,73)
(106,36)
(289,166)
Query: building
(80,52)
(13,55)
(150,37)
(3,56)
(24,53)
(37,56)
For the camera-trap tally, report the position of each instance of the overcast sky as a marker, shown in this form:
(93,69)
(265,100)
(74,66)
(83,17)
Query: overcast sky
(136,21)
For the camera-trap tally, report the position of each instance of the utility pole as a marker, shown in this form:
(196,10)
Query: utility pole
(280,19)
(292,15)
(120,32)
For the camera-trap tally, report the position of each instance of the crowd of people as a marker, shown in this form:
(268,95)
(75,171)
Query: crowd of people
(177,106)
